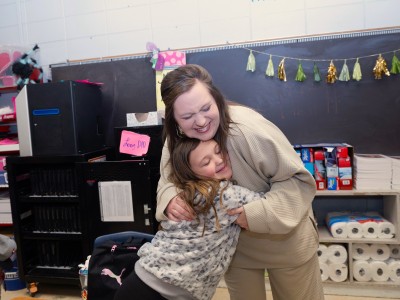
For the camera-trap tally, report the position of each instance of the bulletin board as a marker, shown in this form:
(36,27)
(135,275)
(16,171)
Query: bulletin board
(364,114)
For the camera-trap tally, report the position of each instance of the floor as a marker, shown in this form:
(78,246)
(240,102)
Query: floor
(52,292)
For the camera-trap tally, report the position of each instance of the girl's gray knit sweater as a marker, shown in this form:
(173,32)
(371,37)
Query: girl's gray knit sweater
(183,256)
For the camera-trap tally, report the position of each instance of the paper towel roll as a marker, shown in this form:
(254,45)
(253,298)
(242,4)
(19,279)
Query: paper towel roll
(379,252)
(379,271)
(394,251)
(354,230)
(337,254)
(336,222)
(361,252)
(339,230)
(338,272)
(362,270)
(370,229)
(394,270)
(323,267)
(386,230)
(322,253)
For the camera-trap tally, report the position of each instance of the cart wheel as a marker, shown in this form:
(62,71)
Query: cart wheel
(32,289)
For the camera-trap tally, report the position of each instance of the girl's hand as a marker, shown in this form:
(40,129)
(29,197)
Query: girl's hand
(178,210)
(241,220)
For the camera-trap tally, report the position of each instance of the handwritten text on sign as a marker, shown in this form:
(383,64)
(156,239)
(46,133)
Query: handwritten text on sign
(134,143)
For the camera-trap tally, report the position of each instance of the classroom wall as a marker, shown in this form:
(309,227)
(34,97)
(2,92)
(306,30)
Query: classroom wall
(84,29)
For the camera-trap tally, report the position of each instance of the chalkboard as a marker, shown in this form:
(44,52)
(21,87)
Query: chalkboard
(364,114)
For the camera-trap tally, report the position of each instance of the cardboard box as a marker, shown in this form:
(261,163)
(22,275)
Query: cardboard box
(143,119)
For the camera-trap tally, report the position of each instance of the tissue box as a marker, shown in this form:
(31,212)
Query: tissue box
(143,119)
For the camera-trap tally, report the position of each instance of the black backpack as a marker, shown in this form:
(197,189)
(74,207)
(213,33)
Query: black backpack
(109,264)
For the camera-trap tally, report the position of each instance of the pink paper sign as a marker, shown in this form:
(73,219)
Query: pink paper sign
(134,143)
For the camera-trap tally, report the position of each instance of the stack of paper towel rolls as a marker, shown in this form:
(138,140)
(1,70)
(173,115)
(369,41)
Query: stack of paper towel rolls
(358,225)
(333,262)
(376,262)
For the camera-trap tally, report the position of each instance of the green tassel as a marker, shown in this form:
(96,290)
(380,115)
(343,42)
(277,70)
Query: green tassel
(317,75)
(251,62)
(395,65)
(344,74)
(270,68)
(357,75)
(300,76)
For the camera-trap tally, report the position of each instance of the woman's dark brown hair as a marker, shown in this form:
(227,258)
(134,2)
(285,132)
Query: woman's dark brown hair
(180,81)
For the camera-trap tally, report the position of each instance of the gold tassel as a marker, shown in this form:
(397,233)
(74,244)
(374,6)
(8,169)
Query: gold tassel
(331,76)
(251,62)
(380,68)
(281,70)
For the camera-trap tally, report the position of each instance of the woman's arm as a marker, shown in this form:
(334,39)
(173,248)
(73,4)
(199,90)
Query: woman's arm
(264,160)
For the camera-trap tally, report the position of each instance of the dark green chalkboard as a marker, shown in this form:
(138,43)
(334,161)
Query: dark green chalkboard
(365,114)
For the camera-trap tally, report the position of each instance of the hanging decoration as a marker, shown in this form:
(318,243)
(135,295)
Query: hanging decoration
(357,75)
(395,65)
(344,74)
(331,76)
(270,68)
(380,68)
(251,62)
(317,75)
(300,76)
(281,70)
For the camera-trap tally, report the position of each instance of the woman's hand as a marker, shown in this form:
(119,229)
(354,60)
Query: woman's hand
(178,210)
(241,220)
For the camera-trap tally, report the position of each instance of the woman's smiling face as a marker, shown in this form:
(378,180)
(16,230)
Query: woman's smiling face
(196,113)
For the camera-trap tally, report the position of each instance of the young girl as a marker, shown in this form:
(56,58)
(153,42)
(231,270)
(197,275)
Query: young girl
(186,260)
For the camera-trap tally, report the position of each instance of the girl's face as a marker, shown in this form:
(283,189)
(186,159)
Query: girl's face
(196,113)
(206,160)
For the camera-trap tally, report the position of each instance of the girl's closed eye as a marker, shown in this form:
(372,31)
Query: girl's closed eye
(205,163)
